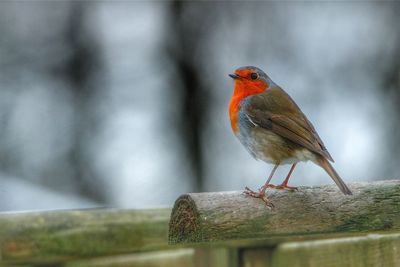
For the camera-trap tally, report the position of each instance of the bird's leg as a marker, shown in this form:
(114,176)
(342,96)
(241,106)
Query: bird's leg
(284,184)
(266,185)
(261,193)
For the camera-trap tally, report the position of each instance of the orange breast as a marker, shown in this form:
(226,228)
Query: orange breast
(242,90)
(234,108)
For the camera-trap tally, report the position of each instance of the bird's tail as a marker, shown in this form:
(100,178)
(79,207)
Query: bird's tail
(324,163)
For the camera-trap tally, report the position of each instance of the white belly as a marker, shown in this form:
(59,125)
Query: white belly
(266,145)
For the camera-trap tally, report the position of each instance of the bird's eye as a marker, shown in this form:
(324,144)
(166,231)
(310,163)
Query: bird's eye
(254,76)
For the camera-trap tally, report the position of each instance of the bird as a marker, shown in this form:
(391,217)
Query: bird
(272,128)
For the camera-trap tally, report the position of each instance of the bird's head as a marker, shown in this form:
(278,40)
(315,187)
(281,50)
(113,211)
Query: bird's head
(250,80)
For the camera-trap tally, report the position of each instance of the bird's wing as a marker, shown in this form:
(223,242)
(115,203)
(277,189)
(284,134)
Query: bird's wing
(274,110)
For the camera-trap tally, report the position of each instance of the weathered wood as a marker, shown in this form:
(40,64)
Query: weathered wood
(165,258)
(371,250)
(201,217)
(368,251)
(62,235)
(257,257)
(182,257)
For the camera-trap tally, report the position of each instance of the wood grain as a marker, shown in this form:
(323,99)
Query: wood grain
(200,217)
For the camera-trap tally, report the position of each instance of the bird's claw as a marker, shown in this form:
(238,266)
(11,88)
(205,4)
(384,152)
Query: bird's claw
(260,194)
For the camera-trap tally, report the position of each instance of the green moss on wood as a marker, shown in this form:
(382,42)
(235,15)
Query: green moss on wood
(382,213)
(166,258)
(71,234)
(200,217)
(366,251)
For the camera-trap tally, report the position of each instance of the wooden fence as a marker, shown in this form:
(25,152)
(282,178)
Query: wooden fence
(311,227)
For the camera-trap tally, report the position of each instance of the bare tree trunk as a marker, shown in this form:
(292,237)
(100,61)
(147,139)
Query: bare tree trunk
(81,72)
(391,87)
(192,91)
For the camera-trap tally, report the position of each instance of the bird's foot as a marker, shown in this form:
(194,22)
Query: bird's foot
(260,194)
(283,186)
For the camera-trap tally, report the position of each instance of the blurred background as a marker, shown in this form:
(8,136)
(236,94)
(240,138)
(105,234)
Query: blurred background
(124,104)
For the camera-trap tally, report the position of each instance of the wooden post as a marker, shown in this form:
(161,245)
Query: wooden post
(361,251)
(200,217)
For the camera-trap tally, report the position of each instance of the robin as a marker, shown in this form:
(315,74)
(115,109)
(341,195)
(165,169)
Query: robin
(272,128)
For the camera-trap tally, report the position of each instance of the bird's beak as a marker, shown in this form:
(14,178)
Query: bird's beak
(234,76)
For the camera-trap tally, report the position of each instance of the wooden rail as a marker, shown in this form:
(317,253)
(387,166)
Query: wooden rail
(203,217)
(60,236)
(312,227)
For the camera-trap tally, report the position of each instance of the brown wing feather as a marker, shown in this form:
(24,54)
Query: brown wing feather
(276,111)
